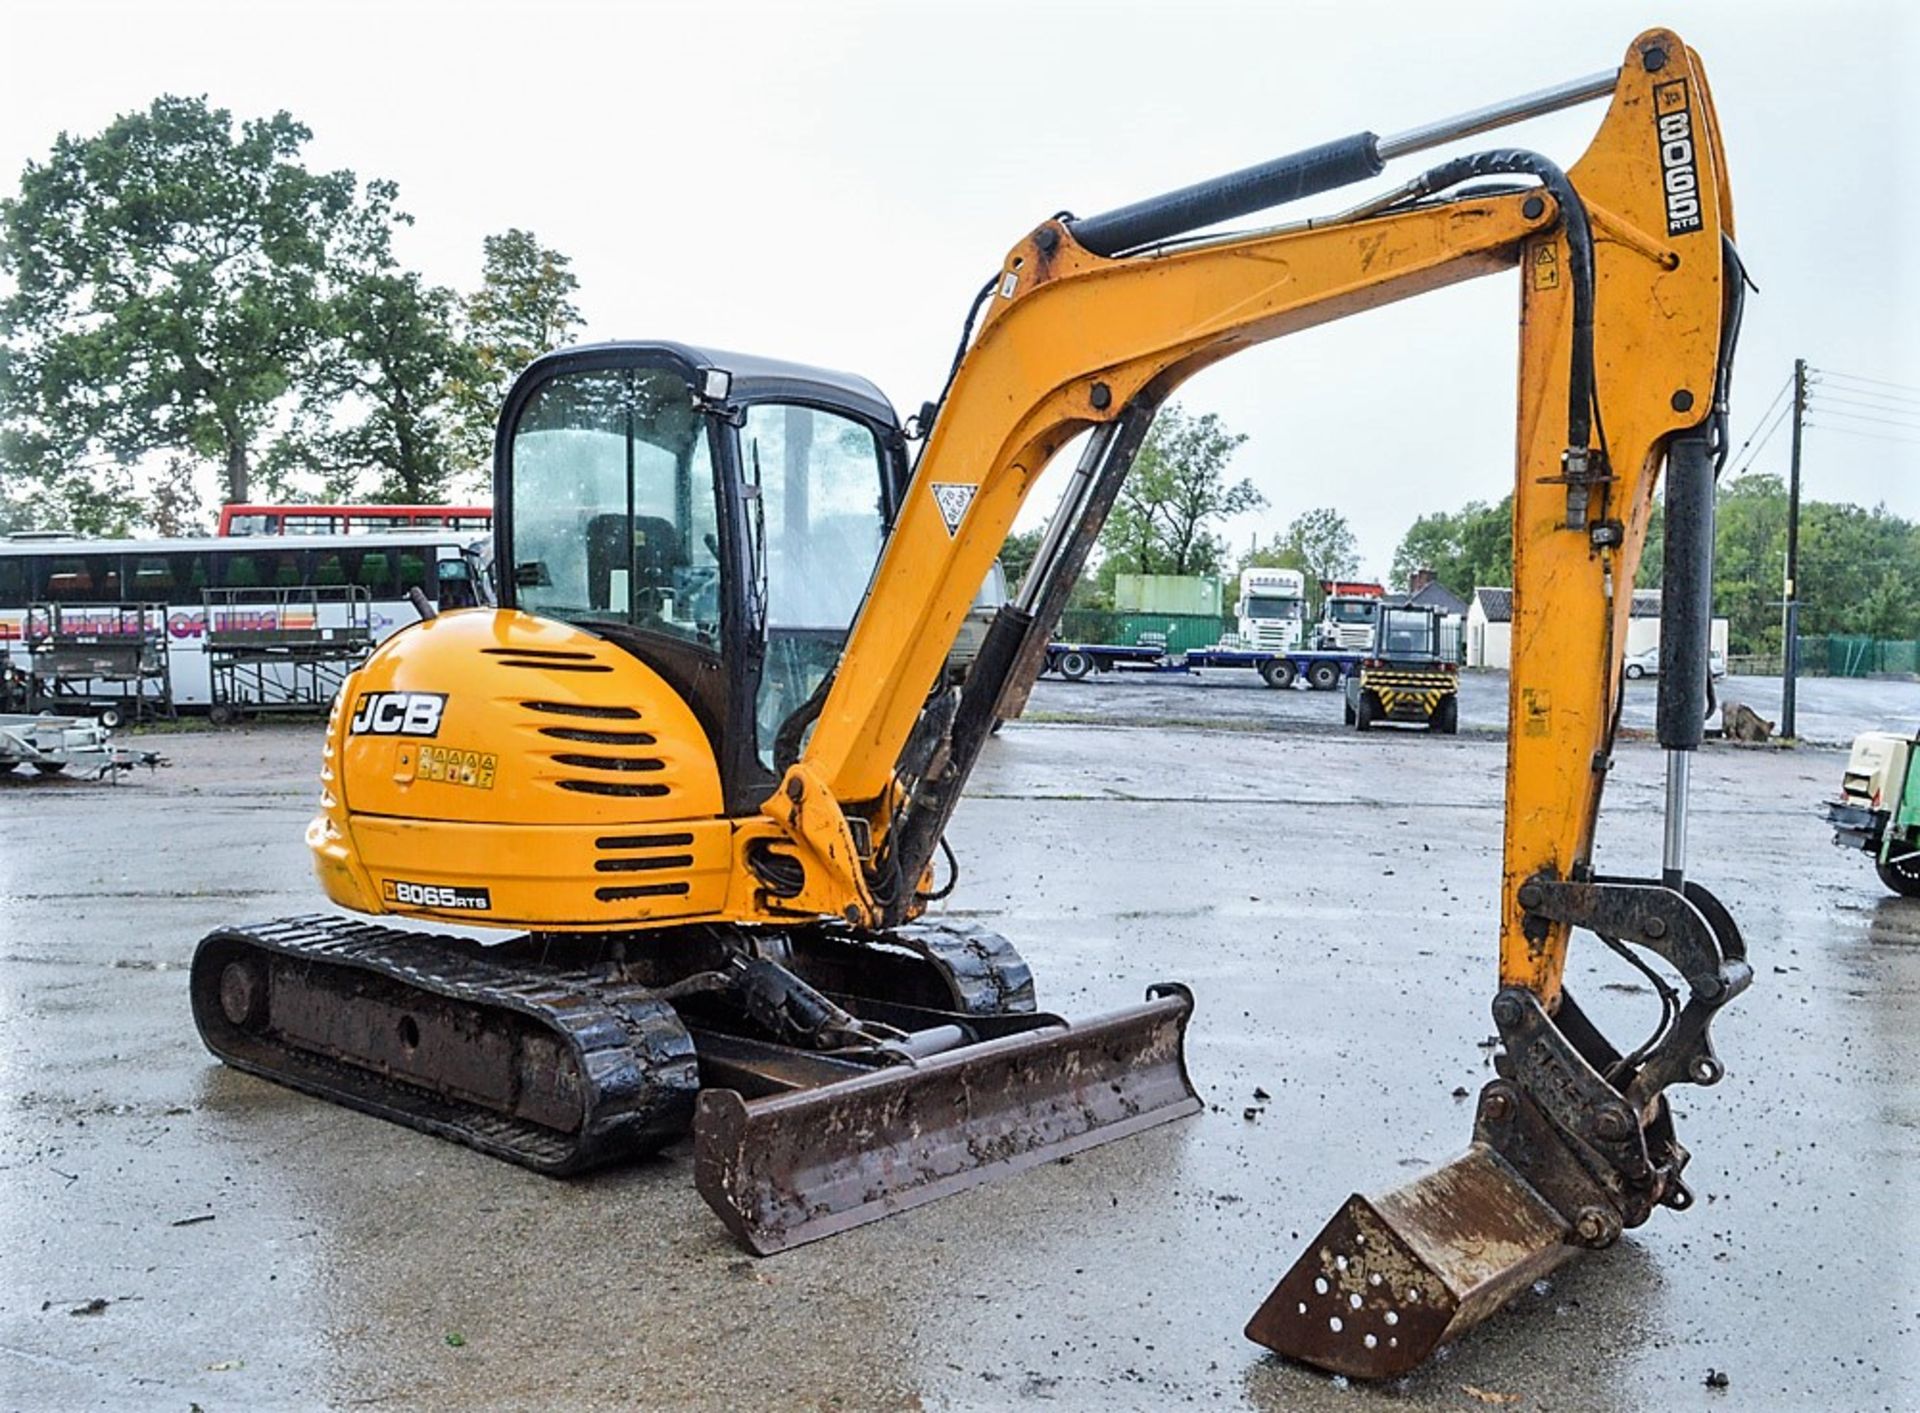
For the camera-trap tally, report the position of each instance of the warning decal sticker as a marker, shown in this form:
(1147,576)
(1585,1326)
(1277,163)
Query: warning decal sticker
(953,500)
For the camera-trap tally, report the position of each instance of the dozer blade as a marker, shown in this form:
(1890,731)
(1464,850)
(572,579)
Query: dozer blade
(792,1168)
(1389,1280)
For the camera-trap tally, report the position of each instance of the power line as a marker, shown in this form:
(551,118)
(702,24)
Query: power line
(1761,419)
(1746,465)
(1841,385)
(1862,417)
(1871,436)
(1878,382)
(1895,408)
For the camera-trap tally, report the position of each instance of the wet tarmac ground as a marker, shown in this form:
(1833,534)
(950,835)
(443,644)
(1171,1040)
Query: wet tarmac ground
(174,1234)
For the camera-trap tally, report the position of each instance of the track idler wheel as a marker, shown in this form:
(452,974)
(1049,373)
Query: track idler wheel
(243,994)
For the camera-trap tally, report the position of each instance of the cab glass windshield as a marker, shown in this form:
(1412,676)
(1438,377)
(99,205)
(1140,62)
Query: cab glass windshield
(614,510)
(1266,606)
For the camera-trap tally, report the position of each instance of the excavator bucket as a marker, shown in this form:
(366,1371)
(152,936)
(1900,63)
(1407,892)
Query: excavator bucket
(1389,1280)
(793,1167)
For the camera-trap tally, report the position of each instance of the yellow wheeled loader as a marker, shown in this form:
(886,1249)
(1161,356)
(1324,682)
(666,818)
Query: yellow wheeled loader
(712,812)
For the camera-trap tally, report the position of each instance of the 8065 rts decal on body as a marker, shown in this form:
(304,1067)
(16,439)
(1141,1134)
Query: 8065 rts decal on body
(397,714)
(1673,125)
(436,895)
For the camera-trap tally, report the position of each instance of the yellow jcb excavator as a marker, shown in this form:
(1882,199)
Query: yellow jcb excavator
(713,813)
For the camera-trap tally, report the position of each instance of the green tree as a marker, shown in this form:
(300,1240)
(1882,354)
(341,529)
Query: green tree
(1749,551)
(386,391)
(1164,519)
(1320,544)
(169,277)
(1466,549)
(1017,554)
(523,308)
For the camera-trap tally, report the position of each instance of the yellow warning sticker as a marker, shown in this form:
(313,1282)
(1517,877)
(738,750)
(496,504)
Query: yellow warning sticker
(1546,267)
(1536,712)
(452,766)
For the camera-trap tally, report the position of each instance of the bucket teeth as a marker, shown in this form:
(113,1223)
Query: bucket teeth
(1388,1281)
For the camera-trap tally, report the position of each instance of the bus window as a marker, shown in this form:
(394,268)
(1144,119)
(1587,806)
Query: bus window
(190,578)
(413,572)
(375,574)
(93,578)
(153,578)
(239,571)
(13,582)
(327,570)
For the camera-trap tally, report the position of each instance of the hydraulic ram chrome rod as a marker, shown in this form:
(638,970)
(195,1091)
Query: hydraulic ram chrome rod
(1308,173)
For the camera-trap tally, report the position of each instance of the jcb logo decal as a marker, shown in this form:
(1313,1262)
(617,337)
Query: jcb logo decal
(397,714)
(1673,124)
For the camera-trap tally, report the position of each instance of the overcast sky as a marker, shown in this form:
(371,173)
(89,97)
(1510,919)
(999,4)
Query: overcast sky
(831,182)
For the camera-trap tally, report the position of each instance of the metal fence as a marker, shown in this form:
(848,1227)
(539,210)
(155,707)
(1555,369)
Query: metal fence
(1846,655)
(1183,631)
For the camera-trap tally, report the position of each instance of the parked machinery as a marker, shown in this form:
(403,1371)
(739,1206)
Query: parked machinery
(721,885)
(1406,676)
(1878,811)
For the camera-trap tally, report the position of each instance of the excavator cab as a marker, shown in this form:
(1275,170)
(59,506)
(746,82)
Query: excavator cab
(716,516)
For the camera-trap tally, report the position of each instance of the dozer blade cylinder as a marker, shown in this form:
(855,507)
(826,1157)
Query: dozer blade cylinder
(793,1168)
(1389,1280)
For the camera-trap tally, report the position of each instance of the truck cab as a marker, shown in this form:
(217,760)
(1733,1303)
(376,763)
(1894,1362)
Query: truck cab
(1272,609)
(1347,622)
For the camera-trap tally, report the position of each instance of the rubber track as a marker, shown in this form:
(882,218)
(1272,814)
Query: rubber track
(987,974)
(629,1047)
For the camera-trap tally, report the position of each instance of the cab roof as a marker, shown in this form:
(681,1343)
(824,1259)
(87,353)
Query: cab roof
(755,378)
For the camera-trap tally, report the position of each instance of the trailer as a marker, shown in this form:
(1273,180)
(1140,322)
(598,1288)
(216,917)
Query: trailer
(1075,661)
(55,745)
(1322,670)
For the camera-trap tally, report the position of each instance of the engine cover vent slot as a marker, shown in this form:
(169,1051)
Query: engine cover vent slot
(557,654)
(643,841)
(588,736)
(643,862)
(594,713)
(611,787)
(545,666)
(624,891)
(619,763)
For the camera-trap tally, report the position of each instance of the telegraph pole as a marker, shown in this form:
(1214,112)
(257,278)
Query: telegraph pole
(1790,658)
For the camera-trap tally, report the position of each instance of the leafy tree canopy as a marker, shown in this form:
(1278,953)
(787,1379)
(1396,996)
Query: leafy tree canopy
(523,308)
(1165,517)
(1858,567)
(170,278)
(1466,549)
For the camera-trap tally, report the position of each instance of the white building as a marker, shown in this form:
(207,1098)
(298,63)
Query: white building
(1490,627)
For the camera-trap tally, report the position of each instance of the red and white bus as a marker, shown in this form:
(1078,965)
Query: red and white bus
(351,519)
(94,581)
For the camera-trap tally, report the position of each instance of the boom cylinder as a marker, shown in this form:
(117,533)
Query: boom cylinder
(1686,608)
(1308,173)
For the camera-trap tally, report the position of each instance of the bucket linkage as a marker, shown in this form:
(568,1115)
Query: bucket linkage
(1571,1144)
